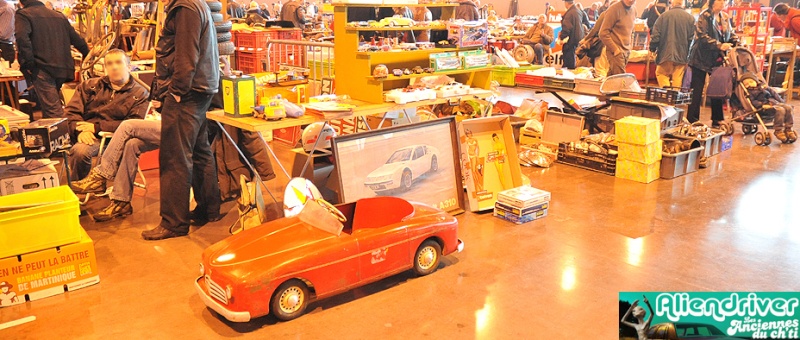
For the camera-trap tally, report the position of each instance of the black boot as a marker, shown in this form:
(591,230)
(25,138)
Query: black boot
(93,183)
(114,210)
(160,233)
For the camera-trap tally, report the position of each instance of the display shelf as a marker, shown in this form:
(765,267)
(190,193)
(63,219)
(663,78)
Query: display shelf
(438,73)
(397,28)
(755,18)
(415,52)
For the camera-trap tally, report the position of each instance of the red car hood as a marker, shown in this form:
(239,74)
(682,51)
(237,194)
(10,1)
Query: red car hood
(266,242)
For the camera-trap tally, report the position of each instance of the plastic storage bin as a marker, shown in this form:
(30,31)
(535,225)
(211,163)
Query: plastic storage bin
(38,220)
(504,75)
(679,164)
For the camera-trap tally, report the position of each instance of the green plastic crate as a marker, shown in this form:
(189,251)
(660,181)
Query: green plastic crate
(503,75)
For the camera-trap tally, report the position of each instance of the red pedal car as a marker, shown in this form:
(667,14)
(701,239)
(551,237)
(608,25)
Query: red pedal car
(282,265)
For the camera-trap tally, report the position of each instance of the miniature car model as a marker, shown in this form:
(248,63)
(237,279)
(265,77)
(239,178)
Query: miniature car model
(280,266)
(380,71)
(396,21)
(397,72)
(417,69)
(403,167)
(686,330)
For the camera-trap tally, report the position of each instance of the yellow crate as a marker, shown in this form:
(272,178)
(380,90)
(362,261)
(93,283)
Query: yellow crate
(637,130)
(640,153)
(639,172)
(36,220)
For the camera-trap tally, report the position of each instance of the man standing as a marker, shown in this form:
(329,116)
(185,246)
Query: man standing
(7,32)
(467,10)
(100,105)
(294,12)
(791,18)
(540,36)
(615,33)
(187,76)
(43,38)
(671,39)
(571,34)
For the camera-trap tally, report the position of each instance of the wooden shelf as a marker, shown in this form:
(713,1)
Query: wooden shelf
(396,5)
(414,52)
(397,28)
(438,73)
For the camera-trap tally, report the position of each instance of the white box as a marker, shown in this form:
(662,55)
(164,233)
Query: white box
(27,176)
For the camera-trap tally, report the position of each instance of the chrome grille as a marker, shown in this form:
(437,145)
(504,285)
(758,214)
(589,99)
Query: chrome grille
(216,291)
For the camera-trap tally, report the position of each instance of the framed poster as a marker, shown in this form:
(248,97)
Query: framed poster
(489,160)
(418,162)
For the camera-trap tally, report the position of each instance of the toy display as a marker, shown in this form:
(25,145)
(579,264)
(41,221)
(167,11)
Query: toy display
(410,94)
(380,71)
(272,268)
(468,34)
(397,72)
(445,61)
(403,167)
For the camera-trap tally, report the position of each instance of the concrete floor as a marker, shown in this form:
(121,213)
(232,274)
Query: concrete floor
(730,227)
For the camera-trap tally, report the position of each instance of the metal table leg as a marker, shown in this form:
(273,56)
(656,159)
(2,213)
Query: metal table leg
(274,156)
(247,161)
(316,142)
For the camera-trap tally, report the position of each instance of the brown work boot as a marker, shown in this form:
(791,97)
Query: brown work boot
(780,134)
(791,135)
(93,183)
(114,210)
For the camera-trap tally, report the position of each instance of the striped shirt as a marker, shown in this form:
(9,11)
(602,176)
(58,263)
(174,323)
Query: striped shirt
(6,22)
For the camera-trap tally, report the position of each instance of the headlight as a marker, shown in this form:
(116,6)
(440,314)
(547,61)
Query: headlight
(202,269)
(228,292)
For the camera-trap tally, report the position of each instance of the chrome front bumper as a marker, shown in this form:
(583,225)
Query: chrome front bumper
(217,307)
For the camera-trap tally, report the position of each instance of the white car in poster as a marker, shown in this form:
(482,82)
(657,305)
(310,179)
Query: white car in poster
(403,167)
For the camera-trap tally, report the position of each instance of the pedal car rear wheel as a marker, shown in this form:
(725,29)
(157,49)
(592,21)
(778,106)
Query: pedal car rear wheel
(290,300)
(759,138)
(426,260)
(767,139)
(727,128)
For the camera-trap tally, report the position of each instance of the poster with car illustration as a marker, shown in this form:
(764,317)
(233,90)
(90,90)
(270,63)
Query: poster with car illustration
(418,162)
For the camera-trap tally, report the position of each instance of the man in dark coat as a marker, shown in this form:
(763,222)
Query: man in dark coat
(187,76)
(571,34)
(44,38)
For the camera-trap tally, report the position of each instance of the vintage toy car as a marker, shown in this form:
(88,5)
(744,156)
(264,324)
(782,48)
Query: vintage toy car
(403,167)
(686,330)
(282,265)
(396,21)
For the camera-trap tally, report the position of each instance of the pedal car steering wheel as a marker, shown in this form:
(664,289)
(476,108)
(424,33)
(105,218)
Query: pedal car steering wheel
(333,210)
(97,53)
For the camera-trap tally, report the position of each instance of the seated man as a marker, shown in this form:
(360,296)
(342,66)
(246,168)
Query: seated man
(101,104)
(120,162)
(539,36)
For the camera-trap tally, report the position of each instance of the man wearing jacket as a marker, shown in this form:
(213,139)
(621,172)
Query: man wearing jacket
(7,31)
(791,18)
(539,36)
(671,39)
(467,10)
(100,105)
(187,76)
(293,11)
(571,33)
(44,38)
(615,33)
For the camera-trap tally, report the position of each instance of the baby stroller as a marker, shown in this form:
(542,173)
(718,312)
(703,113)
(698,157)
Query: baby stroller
(743,62)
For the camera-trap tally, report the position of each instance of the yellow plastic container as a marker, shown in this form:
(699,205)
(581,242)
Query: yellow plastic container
(38,220)
(639,172)
(238,96)
(641,153)
(638,130)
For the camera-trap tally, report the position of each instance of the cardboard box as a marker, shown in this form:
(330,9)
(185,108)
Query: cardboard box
(44,136)
(561,127)
(640,153)
(637,130)
(468,34)
(28,176)
(639,172)
(511,210)
(520,220)
(445,61)
(238,95)
(37,220)
(474,59)
(49,272)
(523,197)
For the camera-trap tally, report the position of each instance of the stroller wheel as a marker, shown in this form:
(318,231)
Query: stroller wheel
(760,138)
(768,139)
(749,129)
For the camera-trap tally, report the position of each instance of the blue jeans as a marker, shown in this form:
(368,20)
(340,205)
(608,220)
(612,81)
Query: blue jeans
(80,159)
(48,93)
(121,157)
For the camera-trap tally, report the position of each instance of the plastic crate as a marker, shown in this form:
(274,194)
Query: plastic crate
(668,96)
(566,84)
(283,54)
(503,75)
(524,79)
(290,34)
(45,219)
(601,162)
(251,61)
(588,86)
(681,163)
(255,39)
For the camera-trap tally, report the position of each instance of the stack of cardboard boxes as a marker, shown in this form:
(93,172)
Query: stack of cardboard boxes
(521,205)
(640,147)
(44,251)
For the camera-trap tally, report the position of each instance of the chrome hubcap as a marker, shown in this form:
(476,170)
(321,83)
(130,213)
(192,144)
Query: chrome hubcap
(291,300)
(427,257)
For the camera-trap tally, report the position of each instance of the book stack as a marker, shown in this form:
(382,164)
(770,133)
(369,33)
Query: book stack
(522,205)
